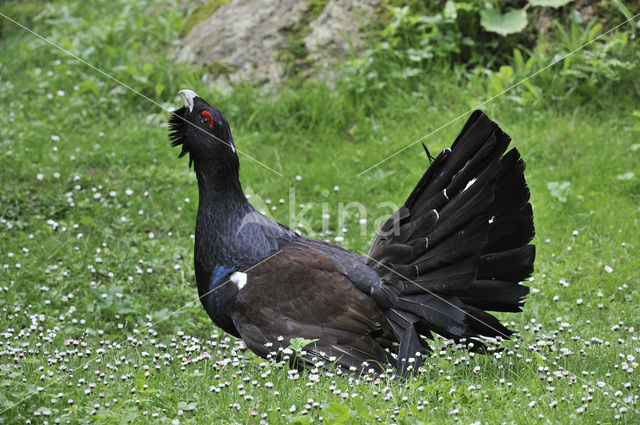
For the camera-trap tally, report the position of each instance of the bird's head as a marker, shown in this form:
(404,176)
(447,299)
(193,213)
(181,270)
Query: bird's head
(203,132)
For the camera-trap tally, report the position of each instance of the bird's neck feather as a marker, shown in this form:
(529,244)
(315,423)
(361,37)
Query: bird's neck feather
(219,185)
(222,205)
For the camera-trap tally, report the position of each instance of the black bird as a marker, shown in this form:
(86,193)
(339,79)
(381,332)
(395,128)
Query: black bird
(457,247)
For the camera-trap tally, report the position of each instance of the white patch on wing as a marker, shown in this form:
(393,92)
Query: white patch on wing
(239,279)
(472,181)
(445,194)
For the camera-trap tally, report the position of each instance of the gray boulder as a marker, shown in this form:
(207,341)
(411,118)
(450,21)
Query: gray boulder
(248,40)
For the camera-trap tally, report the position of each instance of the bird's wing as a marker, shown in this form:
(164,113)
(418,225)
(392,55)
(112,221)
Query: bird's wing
(302,293)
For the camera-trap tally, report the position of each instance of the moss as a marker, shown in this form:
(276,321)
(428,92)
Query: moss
(218,68)
(295,55)
(201,13)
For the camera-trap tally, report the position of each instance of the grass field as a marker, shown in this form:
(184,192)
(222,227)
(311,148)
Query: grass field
(100,321)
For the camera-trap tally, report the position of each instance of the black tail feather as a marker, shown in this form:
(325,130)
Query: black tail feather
(400,320)
(511,231)
(412,347)
(494,295)
(443,315)
(514,265)
(462,245)
(453,247)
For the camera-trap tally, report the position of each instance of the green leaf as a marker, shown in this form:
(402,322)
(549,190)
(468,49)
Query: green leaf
(4,402)
(531,89)
(626,176)
(338,412)
(87,221)
(550,3)
(518,59)
(497,82)
(511,22)
(450,10)
(506,72)
(300,420)
(88,86)
(297,344)
(559,190)
(622,8)
(140,381)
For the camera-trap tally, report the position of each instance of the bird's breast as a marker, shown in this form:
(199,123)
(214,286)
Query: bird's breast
(217,294)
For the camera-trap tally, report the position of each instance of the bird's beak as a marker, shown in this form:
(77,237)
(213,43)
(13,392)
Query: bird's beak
(187,98)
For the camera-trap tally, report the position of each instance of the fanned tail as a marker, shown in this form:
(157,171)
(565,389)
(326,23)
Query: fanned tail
(459,245)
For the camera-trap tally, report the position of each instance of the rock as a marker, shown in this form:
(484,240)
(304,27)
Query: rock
(244,35)
(248,40)
(337,29)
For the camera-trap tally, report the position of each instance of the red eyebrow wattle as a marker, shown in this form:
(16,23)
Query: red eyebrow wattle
(209,117)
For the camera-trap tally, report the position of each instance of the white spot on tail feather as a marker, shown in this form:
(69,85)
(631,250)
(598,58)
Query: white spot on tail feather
(239,279)
(472,181)
(445,194)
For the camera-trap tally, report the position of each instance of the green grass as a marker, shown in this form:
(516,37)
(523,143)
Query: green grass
(96,252)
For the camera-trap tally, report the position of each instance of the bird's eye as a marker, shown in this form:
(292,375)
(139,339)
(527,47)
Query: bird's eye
(207,119)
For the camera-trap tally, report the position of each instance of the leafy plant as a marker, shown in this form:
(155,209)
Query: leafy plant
(576,63)
(626,176)
(510,22)
(513,20)
(414,40)
(550,3)
(622,8)
(297,344)
(559,190)
(340,414)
